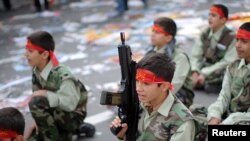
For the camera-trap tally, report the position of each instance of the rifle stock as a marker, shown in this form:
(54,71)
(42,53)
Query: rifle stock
(126,98)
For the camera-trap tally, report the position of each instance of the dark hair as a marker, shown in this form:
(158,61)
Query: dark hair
(223,8)
(158,63)
(167,24)
(42,39)
(12,119)
(245,26)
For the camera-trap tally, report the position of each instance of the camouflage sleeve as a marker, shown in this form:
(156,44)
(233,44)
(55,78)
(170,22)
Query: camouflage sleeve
(196,55)
(229,57)
(242,118)
(66,97)
(181,71)
(185,132)
(217,108)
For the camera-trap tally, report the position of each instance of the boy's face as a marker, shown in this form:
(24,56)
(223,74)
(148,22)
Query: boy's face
(149,92)
(159,39)
(34,58)
(243,48)
(215,21)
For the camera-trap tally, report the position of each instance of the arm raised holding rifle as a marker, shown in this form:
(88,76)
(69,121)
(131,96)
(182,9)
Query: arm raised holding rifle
(126,97)
(162,116)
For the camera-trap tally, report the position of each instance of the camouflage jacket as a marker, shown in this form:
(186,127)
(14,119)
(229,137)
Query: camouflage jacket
(235,94)
(172,121)
(240,86)
(63,89)
(213,51)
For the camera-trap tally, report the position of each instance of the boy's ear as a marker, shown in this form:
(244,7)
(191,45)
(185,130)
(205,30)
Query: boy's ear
(45,54)
(223,20)
(169,38)
(166,86)
(19,138)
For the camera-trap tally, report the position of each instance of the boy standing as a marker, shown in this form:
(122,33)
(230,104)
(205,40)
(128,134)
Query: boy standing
(233,104)
(163,41)
(38,6)
(213,51)
(163,116)
(12,124)
(58,103)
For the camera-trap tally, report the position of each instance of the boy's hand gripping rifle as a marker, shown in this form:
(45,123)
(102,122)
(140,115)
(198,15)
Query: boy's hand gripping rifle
(126,98)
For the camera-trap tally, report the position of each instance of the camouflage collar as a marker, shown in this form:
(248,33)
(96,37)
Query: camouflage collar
(169,48)
(166,105)
(160,50)
(243,63)
(45,73)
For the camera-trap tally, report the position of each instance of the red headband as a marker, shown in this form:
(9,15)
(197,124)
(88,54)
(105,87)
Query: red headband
(159,29)
(53,58)
(217,10)
(5,134)
(243,34)
(149,77)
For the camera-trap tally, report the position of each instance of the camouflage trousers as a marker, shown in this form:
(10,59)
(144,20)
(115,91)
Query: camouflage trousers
(213,82)
(200,116)
(53,123)
(185,96)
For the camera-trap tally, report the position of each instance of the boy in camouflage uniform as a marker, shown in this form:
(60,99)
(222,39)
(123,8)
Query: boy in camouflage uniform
(12,124)
(213,51)
(233,103)
(163,41)
(58,103)
(163,117)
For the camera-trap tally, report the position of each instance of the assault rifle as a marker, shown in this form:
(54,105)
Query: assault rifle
(126,98)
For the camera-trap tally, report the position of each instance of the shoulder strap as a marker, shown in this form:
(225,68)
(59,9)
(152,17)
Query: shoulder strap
(205,40)
(177,50)
(186,57)
(227,37)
